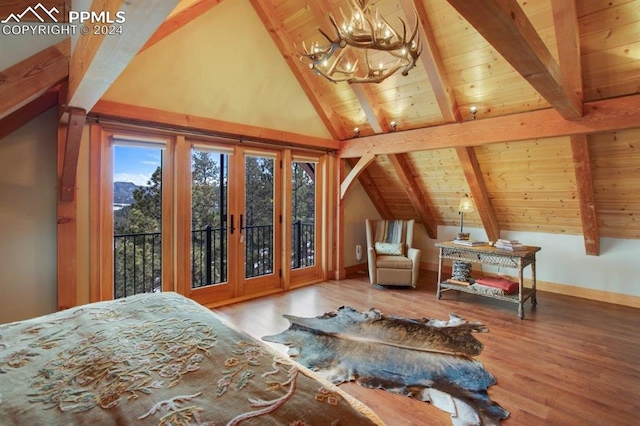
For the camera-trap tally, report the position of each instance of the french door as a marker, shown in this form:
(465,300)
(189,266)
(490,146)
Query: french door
(211,220)
(231,249)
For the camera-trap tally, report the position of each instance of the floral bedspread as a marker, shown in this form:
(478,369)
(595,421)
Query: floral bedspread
(156,359)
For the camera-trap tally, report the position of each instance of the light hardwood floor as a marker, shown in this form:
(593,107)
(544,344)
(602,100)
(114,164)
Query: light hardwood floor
(571,361)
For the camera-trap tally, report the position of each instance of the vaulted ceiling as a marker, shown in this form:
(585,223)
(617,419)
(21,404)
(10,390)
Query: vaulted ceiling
(507,59)
(553,146)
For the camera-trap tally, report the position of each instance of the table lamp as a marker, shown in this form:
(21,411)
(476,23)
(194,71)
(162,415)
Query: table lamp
(465,206)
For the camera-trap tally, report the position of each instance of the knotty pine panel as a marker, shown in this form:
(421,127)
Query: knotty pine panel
(603,15)
(609,45)
(613,81)
(502,94)
(608,38)
(615,166)
(439,173)
(477,72)
(391,189)
(531,185)
(289,8)
(587,7)
(611,58)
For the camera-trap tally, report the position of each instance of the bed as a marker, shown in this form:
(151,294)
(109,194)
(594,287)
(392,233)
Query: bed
(157,359)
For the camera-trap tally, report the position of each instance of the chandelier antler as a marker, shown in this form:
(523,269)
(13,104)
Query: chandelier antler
(365,31)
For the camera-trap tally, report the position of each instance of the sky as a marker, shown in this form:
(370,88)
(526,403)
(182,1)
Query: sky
(133,164)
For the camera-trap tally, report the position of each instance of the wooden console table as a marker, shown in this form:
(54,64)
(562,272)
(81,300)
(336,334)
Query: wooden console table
(489,255)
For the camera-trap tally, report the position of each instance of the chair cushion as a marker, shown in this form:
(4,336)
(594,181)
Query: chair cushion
(393,262)
(390,249)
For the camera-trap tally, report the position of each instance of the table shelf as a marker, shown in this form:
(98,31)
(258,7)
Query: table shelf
(489,255)
(514,298)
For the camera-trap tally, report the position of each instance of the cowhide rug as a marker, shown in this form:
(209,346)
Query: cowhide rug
(427,359)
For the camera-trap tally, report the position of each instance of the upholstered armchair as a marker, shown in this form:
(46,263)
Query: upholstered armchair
(392,259)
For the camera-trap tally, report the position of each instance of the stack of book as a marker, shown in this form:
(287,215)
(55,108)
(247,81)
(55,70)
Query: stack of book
(469,243)
(511,245)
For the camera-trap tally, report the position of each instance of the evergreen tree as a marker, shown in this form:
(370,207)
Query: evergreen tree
(205,190)
(208,218)
(146,210)
(138,258)
(303,193)
(303,211)
(259,215)
(140,255)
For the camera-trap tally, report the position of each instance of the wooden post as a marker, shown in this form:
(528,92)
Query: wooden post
(67,230)
(338,243)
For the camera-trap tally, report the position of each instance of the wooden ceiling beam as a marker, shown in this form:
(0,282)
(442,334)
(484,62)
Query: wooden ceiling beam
(274,26)
(371,108)
(412,188)
(586,198)
(565,21)
(506,27)
(479,192)
(600,116)
(433,65)
(27,80)
(98,59)
(179,20)
(137,115)
(353,174)
(22,116)
(370,187)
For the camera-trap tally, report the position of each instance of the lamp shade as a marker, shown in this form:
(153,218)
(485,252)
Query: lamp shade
(466,205)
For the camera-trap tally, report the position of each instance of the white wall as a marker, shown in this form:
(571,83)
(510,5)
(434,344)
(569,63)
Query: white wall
(178,75)
(357,208)
(28,285)
(562,259)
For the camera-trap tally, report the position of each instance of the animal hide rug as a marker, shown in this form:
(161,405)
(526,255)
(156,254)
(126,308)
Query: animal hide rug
(428,359)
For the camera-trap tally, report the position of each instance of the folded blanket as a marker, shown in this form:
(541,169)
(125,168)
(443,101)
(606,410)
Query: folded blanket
(488,291)
(505,285)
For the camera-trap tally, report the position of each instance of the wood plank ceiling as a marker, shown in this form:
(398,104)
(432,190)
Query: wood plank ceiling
(556,84)
(505,57)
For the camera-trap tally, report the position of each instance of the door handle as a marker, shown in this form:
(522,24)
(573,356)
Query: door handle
(241,225)
(233,228)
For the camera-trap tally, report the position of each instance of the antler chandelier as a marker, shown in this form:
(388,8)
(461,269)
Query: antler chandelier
(365,31)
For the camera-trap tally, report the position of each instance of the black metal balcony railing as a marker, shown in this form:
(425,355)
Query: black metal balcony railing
(137,264)
(258,250)
(138,257)
(208,247)
(303,245)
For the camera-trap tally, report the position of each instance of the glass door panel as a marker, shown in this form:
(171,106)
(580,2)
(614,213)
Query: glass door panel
(233,234)
(209,203)
(258,228)
(137,218)
(260,222)
(303,207)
